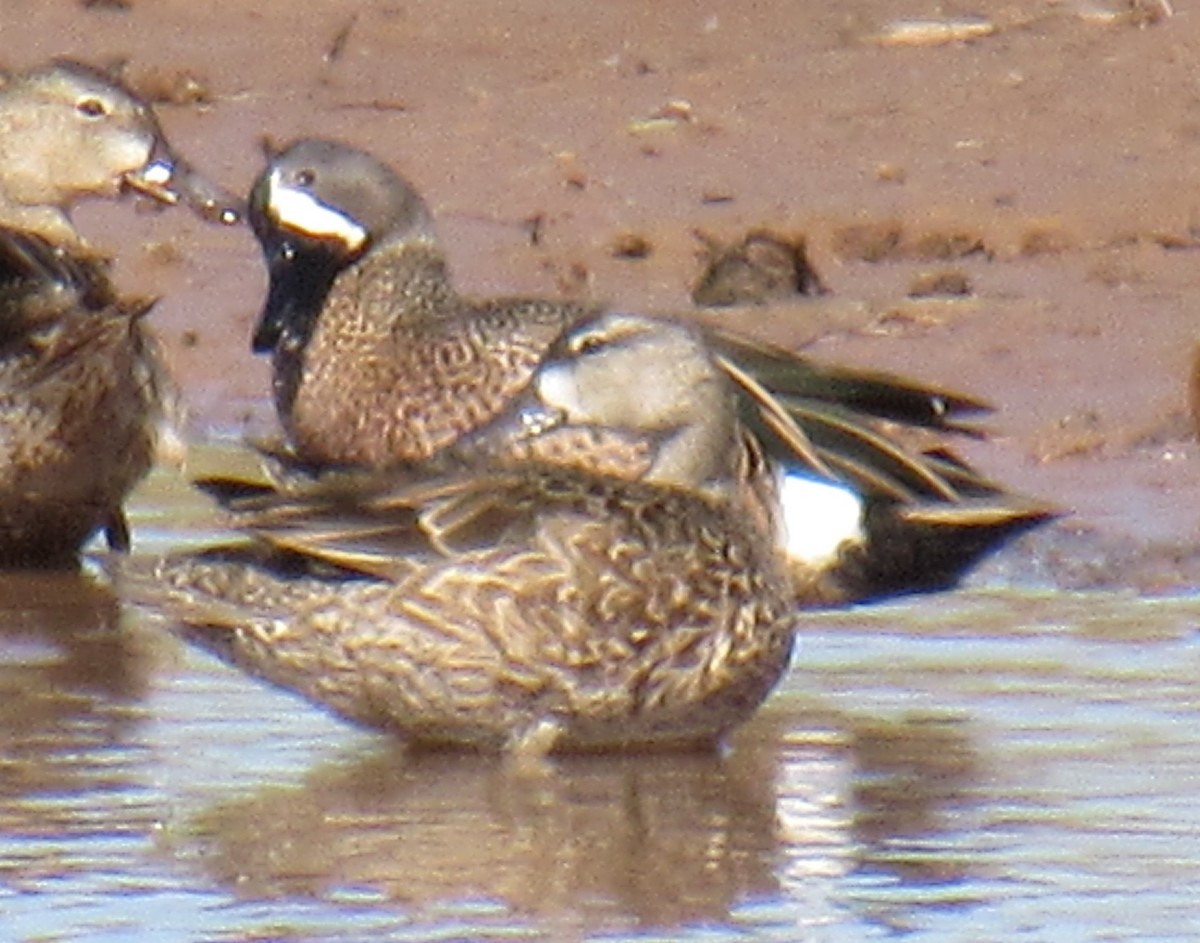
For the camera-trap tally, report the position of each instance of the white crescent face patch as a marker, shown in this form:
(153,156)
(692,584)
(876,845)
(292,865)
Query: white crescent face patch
(301,212)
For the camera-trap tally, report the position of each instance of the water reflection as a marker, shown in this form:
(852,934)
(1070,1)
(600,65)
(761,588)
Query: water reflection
(64,665)
(660,839)
(914,777)
(70,679)
(601,842)
(974,765)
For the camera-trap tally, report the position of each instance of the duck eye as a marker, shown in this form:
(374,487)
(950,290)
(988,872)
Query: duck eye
(587,343)
(306,178)
(91,107)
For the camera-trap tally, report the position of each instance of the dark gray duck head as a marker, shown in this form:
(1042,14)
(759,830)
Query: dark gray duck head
(317,208)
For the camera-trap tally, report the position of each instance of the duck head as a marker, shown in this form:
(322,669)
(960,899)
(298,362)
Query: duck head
(317,208)
(654,379)
(69,132)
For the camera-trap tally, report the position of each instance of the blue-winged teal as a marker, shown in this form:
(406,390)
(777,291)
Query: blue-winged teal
(531,609)
(380,362)
(80,392)
(858,515)
(69,132)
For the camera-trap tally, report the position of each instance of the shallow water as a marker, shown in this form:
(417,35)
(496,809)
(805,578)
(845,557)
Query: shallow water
(986,764)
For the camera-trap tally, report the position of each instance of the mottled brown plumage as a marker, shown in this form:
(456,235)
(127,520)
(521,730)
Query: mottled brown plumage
(535,609)
(81,394)
(426,371)
(380,363)
(378,360)
(80,401)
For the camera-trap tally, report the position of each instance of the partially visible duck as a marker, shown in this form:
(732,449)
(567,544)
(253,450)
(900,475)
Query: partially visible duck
(81,393)
(378,361)
(70,132)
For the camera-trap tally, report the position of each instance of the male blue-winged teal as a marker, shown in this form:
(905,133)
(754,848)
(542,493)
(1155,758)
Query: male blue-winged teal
(379,362)
(80,390)
(531,609)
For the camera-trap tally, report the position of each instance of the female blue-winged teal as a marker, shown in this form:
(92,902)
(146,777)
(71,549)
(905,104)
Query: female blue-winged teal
(379,362)
(539,608)
(80,391)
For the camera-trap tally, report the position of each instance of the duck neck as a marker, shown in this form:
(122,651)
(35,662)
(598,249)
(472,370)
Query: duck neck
(296,293)
(401,285)
(393,290)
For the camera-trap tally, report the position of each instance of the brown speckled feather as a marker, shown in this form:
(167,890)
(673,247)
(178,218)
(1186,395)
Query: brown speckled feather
(619,615)
(399,367)
(80,405)
(528,609)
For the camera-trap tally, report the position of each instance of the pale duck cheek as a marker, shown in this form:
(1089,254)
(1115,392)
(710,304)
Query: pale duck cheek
(558,389)
(817,517)
(300,211)
(130,152)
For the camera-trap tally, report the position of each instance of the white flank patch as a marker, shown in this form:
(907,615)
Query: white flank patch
(302,212)
(816,517)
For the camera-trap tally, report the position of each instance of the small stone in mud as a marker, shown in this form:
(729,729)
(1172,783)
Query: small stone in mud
(535,225)
(673,113)
(760,268)
(163,252)
(940,284)
(936,246)
(1139,13)
(571,281)
(170,87)
(189,339)
(890,173)
(573,175)
(630,245)
(869,242)
(932,32)
(1045,241)
(1172,241)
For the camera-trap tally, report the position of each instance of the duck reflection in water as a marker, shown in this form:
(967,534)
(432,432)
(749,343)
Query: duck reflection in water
(69,683)
(659,839)
(613,842)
